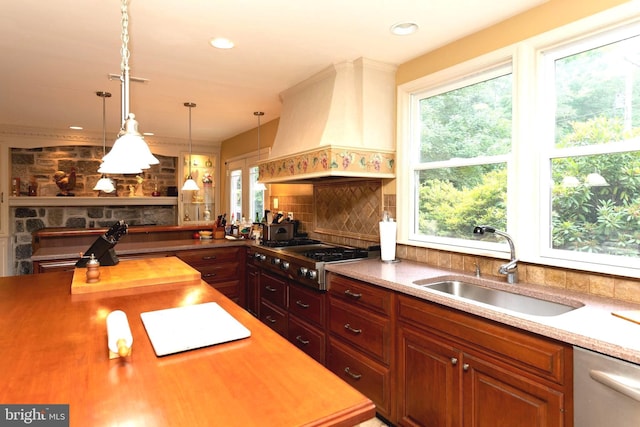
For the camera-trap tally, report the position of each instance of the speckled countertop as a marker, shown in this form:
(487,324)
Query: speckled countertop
(591,326)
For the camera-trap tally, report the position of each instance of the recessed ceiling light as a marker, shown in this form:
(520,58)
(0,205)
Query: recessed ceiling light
(404,28)
(221,43)
(76,127)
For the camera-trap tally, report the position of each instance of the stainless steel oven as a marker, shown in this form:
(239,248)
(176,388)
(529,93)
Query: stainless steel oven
(304,261)
(606,390)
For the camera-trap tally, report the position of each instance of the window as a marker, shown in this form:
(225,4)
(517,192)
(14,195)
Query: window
(235,186)
(246,197)
(460,174)
(540,139)
(594,160)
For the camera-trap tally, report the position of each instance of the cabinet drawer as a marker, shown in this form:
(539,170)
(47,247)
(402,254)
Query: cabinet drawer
(204,257)
(367,331)
(360,294)
(273,317)
(273,289)
(306,304)
(530,353)
(231,289)
(368,377)
(215,273)
(307,338)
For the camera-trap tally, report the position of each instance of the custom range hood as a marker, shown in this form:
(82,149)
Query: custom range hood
(337,123)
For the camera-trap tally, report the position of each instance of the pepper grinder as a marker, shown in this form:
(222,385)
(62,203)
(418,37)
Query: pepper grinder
(93,270)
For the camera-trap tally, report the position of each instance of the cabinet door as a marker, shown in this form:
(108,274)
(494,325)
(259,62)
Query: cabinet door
(253,290)
(307,338)
(429,383)
(4,255)
(362,373)
(273,289)
(494,396)
(198,207)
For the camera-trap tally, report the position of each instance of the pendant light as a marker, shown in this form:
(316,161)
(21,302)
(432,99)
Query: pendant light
(190,184)
(130,153)
(259,185)
(104,184)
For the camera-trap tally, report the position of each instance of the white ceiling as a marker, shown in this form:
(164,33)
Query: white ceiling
(54,55)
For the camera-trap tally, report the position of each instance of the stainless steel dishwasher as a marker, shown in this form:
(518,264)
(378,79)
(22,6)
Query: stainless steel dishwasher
(606,390)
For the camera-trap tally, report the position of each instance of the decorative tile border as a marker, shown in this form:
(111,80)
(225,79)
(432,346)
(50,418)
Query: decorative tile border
(329,161)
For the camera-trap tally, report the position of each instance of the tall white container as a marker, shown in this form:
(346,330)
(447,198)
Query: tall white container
(388,240)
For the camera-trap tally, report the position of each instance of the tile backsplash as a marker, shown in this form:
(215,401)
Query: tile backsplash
(349,216)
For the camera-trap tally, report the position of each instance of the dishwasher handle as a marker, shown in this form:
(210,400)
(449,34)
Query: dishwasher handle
(624,385)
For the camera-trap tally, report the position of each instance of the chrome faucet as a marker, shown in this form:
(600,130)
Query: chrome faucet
(510,269)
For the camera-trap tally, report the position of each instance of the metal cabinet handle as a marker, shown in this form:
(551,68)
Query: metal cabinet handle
(302,304)
(210,275)
(302,340)
(351,374)
(270,319)
(208,257)
(270,289)
(465,367)
(349,328)
(621,384)
(454,361)
(352,294)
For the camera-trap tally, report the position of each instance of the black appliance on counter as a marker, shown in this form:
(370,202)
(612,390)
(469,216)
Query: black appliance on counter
(102,248)
(304,260)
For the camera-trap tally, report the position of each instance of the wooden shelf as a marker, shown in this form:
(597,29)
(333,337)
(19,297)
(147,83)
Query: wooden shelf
(91,201)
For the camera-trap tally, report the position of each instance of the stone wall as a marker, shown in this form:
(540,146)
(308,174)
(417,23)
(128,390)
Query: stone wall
(26,220)
(40,165)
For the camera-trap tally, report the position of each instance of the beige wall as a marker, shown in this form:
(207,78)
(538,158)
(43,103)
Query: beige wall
(550,15)
(241,144)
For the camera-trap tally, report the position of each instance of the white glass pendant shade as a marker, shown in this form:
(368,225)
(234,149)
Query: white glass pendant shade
(105,185)
(130,153)
(190,185)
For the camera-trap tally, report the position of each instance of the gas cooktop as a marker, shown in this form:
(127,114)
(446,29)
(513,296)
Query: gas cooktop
(287,243)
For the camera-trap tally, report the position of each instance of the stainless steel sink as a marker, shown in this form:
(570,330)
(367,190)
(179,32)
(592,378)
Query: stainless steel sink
(499,298)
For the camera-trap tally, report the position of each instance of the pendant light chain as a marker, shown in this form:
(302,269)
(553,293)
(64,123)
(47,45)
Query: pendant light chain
(124,65)
(125,54)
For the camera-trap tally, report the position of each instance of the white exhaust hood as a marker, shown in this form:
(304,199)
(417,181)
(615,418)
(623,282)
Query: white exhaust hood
(337,123)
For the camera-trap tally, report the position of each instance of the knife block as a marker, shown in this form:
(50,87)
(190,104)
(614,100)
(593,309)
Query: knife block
(218,233)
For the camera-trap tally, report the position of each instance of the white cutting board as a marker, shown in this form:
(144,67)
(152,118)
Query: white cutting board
(173,330)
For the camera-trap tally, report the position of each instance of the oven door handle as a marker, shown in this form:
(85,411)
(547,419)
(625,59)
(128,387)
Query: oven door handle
(624,385)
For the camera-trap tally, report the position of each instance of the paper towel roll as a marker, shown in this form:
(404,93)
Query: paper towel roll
(388,240)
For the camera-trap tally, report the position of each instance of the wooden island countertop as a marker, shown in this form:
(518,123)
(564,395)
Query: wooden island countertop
(54,351)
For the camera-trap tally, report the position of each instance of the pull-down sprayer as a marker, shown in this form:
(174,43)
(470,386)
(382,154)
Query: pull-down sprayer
(510,269)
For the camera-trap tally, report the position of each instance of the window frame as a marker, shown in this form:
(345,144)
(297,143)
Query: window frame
(490,71)
(245,163)
(528,168)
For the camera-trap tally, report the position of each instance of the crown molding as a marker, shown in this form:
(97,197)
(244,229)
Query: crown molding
(35,137)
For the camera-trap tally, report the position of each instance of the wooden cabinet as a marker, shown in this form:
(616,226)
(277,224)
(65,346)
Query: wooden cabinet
(293,310)
(307,320)
(273,302)
(222,268)
(252,289)
(361,335)
(199,207)
(456,369)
